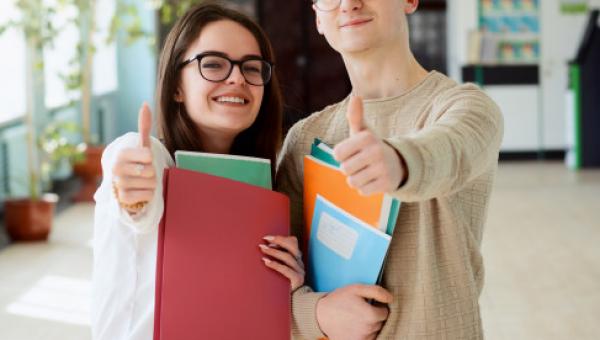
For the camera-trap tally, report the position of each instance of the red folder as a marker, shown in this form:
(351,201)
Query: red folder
(211,282)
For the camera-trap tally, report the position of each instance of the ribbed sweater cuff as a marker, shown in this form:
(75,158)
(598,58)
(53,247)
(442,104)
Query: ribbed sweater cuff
(414,165)
(304,314)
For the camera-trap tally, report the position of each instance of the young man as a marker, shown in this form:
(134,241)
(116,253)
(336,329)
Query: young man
(425,140)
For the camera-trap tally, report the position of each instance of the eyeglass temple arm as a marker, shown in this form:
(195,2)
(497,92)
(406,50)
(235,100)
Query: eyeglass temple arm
(188,61)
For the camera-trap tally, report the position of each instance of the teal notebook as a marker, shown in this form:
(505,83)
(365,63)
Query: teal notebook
(251,170)
(323,152)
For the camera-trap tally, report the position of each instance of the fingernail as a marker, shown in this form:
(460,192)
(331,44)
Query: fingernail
(269,238)
(262,246)
(266,260)
(272,245)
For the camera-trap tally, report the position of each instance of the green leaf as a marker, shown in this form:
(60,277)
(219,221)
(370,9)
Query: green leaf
(166,14)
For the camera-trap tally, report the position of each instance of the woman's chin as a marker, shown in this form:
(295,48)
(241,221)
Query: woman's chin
(233,127)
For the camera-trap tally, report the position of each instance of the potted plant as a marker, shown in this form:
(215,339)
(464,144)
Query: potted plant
(30,218)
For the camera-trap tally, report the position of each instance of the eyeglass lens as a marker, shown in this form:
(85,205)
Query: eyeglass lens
(326,5)
(215,68)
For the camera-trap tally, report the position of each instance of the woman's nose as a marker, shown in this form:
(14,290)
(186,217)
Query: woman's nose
(236,76)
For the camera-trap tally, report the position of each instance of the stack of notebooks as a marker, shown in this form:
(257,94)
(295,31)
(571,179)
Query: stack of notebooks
(346,235)
(210,280)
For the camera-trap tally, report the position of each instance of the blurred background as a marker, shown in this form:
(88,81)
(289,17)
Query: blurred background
(74,73)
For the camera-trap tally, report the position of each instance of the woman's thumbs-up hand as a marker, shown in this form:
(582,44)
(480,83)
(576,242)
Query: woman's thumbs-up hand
(133,173)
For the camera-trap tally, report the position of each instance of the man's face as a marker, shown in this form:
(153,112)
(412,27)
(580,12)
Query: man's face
(359,25)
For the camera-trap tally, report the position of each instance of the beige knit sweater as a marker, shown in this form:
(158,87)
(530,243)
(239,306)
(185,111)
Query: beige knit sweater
(449,136)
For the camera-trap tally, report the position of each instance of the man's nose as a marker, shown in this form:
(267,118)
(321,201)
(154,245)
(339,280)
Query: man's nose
(350,5)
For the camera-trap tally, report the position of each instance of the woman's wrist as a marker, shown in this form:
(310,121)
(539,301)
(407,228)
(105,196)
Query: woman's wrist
(135,210)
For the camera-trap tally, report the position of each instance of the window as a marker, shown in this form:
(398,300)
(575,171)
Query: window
(57,59)
(105,59)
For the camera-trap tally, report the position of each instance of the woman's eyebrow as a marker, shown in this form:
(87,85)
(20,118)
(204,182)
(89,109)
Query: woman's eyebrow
(215,53)
(247,56)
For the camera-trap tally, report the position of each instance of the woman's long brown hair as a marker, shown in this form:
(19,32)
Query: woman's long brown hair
(176,128)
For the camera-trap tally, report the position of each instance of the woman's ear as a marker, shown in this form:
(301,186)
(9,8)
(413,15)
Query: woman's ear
(177,96)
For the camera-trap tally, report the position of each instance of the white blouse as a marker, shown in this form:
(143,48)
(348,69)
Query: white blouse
(125,253)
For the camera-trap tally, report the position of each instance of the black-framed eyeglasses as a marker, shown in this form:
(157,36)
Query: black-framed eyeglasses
(216,68)
(326,5)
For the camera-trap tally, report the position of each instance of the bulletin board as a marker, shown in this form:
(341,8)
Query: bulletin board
(513,28)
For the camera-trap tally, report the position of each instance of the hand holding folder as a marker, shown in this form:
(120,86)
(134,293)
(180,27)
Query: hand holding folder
(346,314)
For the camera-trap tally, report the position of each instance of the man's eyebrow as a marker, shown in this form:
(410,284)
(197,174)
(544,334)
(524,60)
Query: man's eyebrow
(247,56)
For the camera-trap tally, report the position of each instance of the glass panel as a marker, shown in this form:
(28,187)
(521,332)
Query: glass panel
(12,66)
(58,57)
(105,60)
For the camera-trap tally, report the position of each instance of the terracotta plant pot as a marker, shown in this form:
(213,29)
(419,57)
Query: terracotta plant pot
(28,220)
(90,172)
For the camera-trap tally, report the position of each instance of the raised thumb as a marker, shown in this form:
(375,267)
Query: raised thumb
(144,125)
(355,115)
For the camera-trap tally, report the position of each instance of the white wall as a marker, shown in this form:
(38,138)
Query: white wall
(519,105)
(561,36)
(462,19)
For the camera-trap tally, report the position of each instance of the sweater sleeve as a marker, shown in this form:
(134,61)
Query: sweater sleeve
(105,198)
(289,182)
(457,145)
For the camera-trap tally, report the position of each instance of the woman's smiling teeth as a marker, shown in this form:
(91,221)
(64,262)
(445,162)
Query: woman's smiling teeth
(236,100)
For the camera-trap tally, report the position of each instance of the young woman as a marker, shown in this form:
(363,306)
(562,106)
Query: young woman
(217,92)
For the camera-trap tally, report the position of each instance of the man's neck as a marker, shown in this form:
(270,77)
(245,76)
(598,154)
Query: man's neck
(383,73)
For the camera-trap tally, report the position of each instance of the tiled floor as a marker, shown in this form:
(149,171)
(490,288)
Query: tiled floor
(45,287)
(542,253)
(541,248)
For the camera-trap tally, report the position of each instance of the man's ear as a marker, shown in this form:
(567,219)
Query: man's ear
(411,6)
(317,20)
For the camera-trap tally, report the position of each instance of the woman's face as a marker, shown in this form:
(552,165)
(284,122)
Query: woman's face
(221,110)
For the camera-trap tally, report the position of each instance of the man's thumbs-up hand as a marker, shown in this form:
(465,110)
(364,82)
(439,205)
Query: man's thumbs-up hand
(133,173)
(372,166)
(355,115)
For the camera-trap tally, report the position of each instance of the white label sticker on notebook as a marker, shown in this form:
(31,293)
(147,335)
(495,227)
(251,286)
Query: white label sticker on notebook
(337,236)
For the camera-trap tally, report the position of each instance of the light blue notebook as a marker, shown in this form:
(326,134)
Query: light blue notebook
(343,250)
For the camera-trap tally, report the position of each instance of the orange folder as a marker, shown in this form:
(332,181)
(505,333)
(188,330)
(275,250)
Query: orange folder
(328,181)
(211,282)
